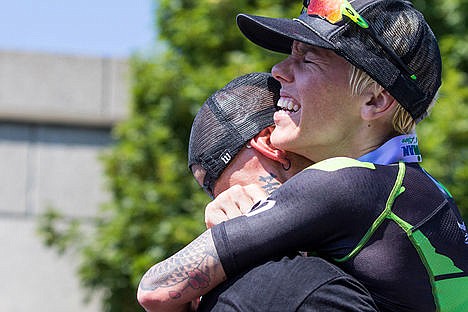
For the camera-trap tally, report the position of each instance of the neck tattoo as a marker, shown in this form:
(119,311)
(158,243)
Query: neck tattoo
(269,183)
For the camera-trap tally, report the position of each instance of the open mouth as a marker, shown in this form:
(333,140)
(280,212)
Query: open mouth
(287,104)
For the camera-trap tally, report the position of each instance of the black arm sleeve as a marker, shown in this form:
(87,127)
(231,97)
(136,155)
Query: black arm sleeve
(327,212)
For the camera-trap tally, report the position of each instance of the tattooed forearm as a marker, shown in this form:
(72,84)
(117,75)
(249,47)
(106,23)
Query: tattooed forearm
(270,184)
(192,267)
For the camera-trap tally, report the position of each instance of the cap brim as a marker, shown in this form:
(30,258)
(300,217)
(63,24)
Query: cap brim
(277,34)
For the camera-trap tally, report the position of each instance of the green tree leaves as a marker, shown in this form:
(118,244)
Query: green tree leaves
(444,135)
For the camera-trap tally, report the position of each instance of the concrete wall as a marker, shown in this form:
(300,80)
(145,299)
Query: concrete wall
(56,114)
(61,88)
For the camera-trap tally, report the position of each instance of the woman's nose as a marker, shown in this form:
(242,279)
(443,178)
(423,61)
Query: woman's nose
(282,70)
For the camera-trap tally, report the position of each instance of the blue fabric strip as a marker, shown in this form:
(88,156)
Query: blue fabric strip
(401,148)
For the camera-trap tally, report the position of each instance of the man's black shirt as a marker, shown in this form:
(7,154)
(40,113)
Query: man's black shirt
(290,284)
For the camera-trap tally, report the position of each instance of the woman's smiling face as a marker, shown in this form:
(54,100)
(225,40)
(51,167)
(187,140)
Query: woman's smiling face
(318,112)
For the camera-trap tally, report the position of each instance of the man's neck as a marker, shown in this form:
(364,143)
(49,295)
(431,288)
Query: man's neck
(269,182)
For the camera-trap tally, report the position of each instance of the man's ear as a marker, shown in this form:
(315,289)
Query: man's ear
(261,142)
(379,105)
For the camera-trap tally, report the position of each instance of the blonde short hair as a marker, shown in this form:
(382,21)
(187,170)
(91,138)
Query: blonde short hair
(402,121)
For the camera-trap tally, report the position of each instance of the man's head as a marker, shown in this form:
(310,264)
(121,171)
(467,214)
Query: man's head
(387,40)
(228,120)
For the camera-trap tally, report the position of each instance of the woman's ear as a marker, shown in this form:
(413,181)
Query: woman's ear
(379,105)
(261,142)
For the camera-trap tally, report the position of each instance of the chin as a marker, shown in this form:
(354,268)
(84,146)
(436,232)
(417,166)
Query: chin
(280,141)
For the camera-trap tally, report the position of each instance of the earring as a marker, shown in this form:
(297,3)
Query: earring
(288,166)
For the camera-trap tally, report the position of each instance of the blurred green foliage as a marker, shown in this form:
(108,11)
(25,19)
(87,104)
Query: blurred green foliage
(156,206)
(444,135)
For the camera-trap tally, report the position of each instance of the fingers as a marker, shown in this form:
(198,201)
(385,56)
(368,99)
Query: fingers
(233,202)
(256,193)
(224,207)
(213,217)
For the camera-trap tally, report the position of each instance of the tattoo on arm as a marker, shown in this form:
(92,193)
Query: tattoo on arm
(192,267)
(270,184)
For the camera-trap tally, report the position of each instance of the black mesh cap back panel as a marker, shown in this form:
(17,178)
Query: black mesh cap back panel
(404,29)
(229,119)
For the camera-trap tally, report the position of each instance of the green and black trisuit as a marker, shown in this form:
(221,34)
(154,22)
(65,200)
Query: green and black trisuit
(390,226)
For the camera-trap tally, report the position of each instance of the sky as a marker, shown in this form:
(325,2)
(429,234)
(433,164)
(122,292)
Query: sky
(103,28)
